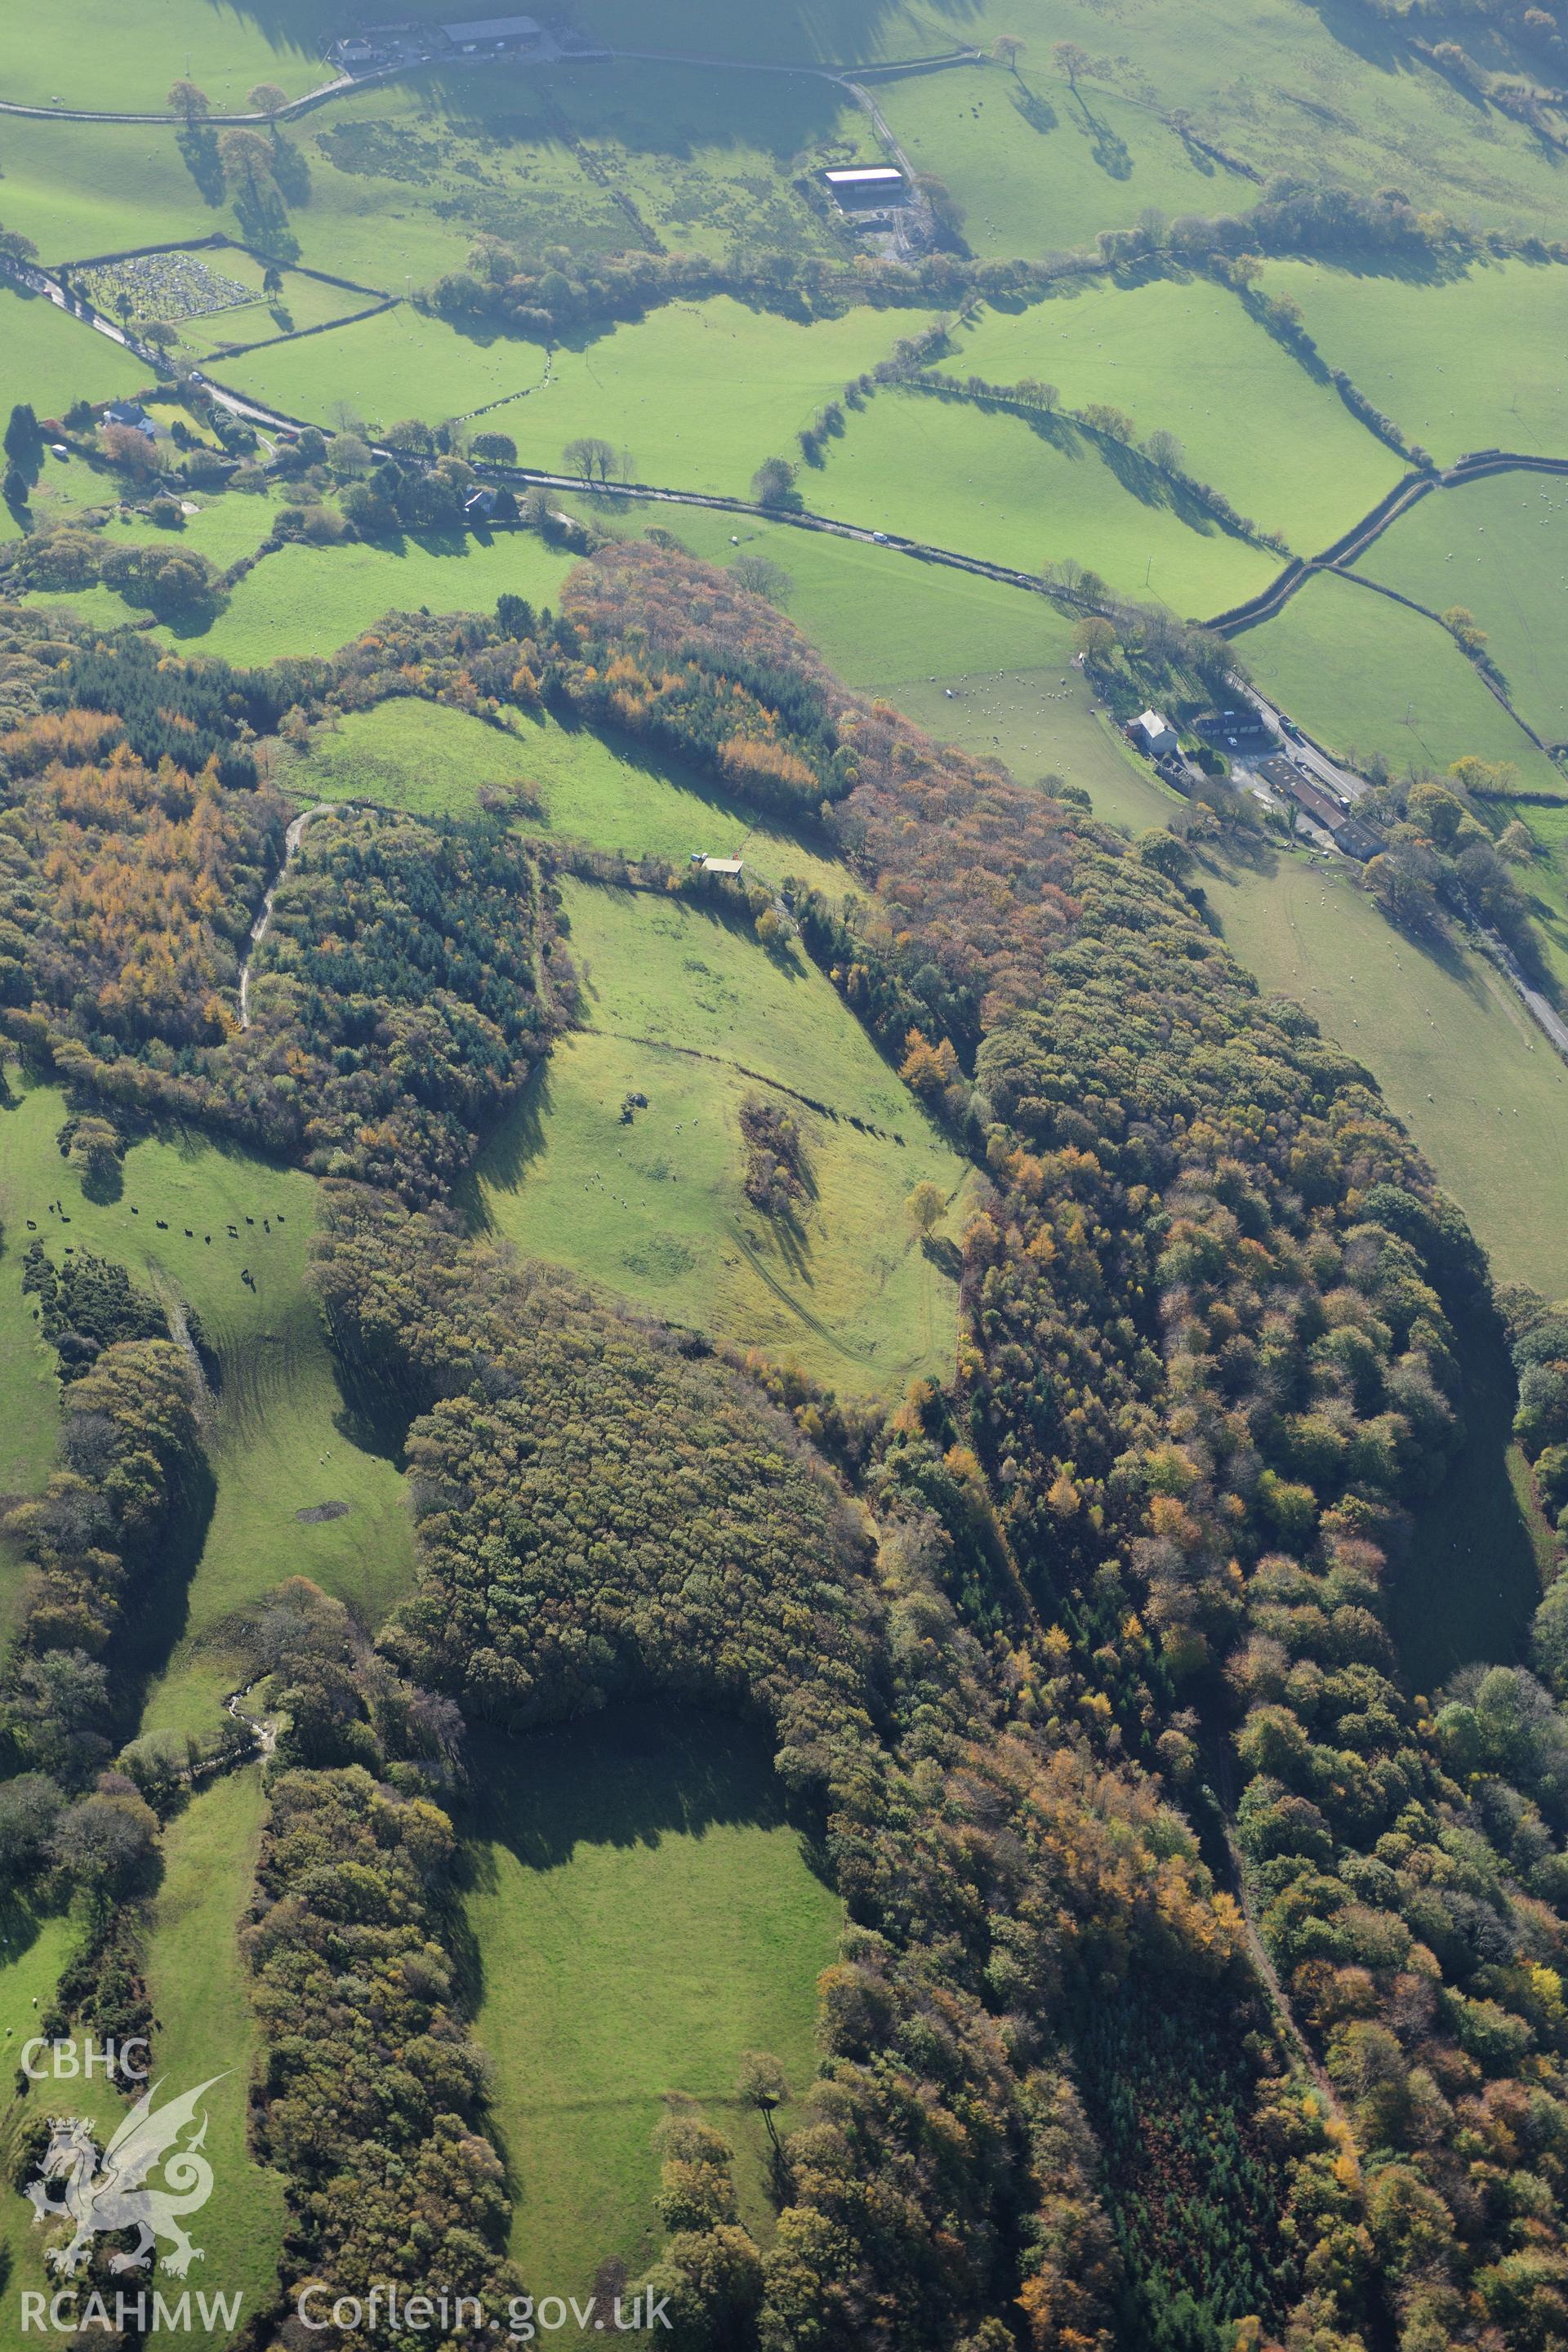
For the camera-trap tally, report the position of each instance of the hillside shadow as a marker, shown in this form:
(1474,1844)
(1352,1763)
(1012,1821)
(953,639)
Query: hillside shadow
(631,1776)
(158,1614)
(371,1416)
(1468,1585)
(511,1149)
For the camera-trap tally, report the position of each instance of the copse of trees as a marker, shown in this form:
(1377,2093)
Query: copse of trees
(397,1008)
(128,1452)
(391,2176)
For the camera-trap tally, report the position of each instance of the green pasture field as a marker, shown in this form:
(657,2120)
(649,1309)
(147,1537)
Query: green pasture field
(196,1980)
(1011,715)
(973,661)
(1037,169)
(280,1440)
(1545,879)
(226,526)
(697,393)
(1348,663)
(1265,83)
(82,189)
(643,1911)
(104,606)
(700,393)
(200,1991)
(398,363)
(50,358)
(1026,494)
(303,302)
(310,600)
(63,490)
(685,1008)
(103,57)
(1184,355)
(1445,1026)
(1498,546)
(223,527)
(1479,362)
(436,761)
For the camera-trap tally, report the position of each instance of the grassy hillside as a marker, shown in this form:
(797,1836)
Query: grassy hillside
(1185,356)
(1024,494)
(704,176)
(1429,354)
(1364,674)
(112,62)
(312,599)
(1498,546)
(88,188)
(698,394)
(617,795)
(50,358)
(1545,879)
(1454,1051)
(280,1439)
(690,1012)
(642,1912)
(1036,168)
(1272,84)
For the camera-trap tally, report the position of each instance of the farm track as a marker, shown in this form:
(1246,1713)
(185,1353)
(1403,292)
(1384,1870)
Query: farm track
(263,922)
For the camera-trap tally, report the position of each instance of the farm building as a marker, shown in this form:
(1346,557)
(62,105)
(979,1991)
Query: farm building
(1154,734)
(866,184)
(130,411)
(478,503)
(488,33)
(1242,729)
(715,865)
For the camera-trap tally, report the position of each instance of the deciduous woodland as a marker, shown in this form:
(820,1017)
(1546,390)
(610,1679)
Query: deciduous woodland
(1201,1982)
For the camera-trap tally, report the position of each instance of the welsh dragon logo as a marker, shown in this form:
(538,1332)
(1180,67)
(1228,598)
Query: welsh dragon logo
(96,2197)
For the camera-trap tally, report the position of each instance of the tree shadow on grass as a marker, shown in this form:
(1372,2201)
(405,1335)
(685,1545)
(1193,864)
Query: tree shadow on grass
(1468,1584)
(1038,111)
(640,1771)
(1133,472)
(1367,37)
(158,1613)
(1107,147)
(516,1142)
(371,1415)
